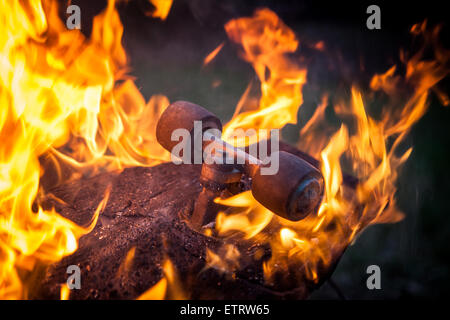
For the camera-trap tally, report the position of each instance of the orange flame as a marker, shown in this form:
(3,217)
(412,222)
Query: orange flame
(65,292)
(68,98)
(162,8)
(157,292)
(212,55)
(60,99)
(168,287)
(127,262)
(226,260)
(265,41)
(371,149)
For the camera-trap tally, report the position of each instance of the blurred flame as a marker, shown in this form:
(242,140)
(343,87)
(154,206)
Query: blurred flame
(157,292)
(169,287)
(162,8)
(309,138)
(320,46)
(65,292)
(211,56)
(226,260)
(127,262)
(61,99)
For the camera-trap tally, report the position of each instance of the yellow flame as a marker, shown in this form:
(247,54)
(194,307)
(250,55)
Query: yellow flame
(157,292)
(371,147)
(225,260)
(251,221)
(68,98)
(65,292)
(60,100)
(265,41)
(168,287)
(162,8)
(127,262)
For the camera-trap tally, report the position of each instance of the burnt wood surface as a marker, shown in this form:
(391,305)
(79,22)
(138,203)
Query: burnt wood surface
(146,210)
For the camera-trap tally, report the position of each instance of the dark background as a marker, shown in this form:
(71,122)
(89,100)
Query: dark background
(166,57)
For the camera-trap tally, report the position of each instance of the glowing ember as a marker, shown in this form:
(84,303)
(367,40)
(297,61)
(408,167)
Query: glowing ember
(211,56)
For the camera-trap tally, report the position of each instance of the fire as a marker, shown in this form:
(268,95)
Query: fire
(127,262)
(251,220)
(169,287)
(371,148)
(212,55)
(226,260)
(162,8)
(67,99)
(65,292)
(157,292)
(264,41)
